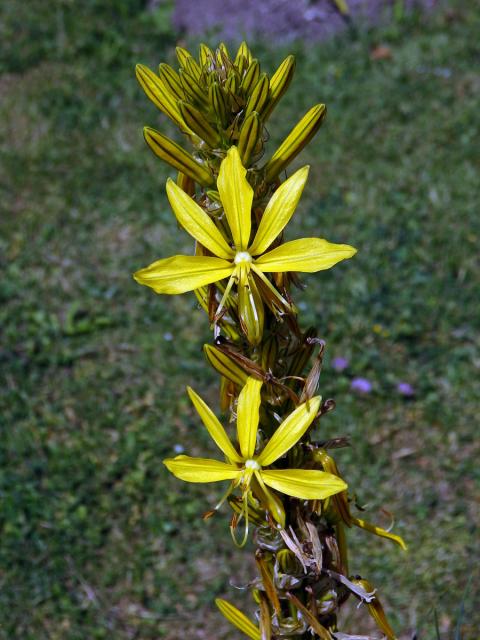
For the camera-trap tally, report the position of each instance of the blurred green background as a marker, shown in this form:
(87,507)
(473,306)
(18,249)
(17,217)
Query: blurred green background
(97,541)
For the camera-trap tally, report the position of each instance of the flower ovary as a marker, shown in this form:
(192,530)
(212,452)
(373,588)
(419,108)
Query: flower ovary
(243,256)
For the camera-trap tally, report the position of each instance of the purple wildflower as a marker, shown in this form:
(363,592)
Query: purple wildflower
(405,389)
(339,364)
(361,385)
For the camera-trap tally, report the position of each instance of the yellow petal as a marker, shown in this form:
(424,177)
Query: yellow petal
(213,426)
(238,619)
(278,211)
(236,195)
(183,273)
(307,255)
(198,223)
(378,531)
(201,469)
(248,416)
(289,432)
(307,484)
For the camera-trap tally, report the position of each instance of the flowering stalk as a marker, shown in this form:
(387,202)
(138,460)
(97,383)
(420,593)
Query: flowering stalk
(282,482)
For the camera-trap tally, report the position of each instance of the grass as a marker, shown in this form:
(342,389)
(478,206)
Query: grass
(97,541)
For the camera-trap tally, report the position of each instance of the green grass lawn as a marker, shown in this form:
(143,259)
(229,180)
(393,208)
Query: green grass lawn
(97,540)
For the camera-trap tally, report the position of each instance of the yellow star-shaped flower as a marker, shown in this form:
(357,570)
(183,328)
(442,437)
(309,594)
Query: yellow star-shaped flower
(245,464)
(243,258)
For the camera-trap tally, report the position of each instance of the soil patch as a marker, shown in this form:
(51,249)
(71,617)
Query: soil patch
(283,20)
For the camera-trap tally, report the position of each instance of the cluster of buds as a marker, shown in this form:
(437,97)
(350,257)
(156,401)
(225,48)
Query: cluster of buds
(219,102)
(282,483)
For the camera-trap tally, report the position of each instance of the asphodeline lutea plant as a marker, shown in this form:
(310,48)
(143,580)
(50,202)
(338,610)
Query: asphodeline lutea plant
(282,479)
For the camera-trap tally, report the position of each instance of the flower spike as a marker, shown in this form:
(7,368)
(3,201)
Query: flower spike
(236,202)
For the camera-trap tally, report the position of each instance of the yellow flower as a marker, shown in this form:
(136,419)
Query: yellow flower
(243,464)
(242,258)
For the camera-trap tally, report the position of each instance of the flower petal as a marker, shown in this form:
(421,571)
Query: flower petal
(183,273)
(201,469)
(278,211)
(196,222)
(248,416)
(213,426)
(237,196)
(363,524)
(289,432)
(238,619)
(307,484)
(307,255)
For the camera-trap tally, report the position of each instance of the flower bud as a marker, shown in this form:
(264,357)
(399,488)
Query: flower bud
(296,140)
(258,97)
(192,89)
(197,122)
(250,78)
(218,103)
(279,83)
(174,155)
(249,135)
(171,79)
